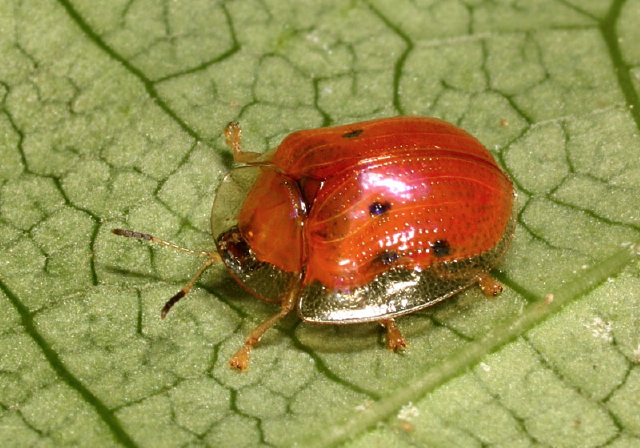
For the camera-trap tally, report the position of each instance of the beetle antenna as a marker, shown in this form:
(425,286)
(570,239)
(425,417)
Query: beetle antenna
(212,257)
(154,240)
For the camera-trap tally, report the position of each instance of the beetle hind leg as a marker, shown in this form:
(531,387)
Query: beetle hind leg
(489,285)
(395,340)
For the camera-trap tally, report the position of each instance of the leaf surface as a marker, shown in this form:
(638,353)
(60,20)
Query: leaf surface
(111,116)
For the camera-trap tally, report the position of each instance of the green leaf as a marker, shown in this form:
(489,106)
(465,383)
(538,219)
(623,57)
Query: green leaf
(111,116)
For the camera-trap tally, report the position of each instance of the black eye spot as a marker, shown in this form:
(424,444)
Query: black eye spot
(378,208)
(440,248)
(387,257)
(353,134)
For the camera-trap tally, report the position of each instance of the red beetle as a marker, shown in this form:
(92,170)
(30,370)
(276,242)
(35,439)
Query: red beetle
(359,223)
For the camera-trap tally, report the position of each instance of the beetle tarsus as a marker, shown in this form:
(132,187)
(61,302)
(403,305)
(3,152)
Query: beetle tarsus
(395,340)
(489,286)
(233,135)
(241,359)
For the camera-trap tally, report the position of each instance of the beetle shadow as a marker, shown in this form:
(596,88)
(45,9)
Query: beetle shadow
(227,160)
(129,274)
(213,283)
(340,338)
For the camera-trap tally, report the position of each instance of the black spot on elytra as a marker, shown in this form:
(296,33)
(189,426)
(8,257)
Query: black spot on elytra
(353,134)
(440,248)
(387,257)
(378,208)
(323,235)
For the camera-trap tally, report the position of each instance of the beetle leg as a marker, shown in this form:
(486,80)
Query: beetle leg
(489,286)
(234,137)
(233,141)
(395,340)
(240,360)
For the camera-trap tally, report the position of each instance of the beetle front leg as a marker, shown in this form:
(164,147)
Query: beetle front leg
(241,359)
(395,340)
(233,135)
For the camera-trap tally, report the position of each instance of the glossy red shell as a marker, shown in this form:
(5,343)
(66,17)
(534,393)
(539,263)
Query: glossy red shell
(374,219)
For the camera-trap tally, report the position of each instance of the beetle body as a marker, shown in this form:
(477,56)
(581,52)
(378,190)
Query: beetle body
(363,222)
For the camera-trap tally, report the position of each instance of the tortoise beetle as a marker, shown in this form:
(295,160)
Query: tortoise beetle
(359,223)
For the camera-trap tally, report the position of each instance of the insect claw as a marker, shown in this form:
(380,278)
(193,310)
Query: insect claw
(489,286)
(241,359)
(395,340)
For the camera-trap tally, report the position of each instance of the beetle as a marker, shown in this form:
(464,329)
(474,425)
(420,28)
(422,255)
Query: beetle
(359,223)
